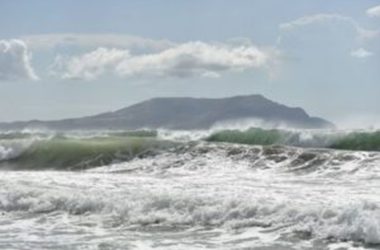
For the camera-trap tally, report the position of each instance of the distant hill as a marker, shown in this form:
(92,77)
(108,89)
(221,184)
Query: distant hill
(184,114)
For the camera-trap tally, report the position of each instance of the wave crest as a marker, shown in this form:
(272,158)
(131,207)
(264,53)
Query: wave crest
(369,141)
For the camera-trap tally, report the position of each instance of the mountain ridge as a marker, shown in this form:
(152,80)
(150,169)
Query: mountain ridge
(184,113)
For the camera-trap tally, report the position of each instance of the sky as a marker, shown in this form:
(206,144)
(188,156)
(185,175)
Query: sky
(61,59)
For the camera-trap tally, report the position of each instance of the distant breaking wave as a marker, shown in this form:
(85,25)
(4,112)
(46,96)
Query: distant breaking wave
(368,141)
(334,139)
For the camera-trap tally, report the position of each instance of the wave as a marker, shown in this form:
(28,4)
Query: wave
(144,184)
(369,141)
(240,201)
(359,141)
(74,154)
(199,157)
(78,151)
(135,133)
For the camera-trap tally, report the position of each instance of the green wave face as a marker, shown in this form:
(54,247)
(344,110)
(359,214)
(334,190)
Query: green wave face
(257,136)
(251,136)
(359,141)
(369,141)
(76,154)
(137,133)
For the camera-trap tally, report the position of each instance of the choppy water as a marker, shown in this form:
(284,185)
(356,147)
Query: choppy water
(188,195)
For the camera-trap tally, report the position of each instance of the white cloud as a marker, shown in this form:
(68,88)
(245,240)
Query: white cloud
(307,20)
(91,65)
(361,53)
(186,60)
(15,61)
(194,59)
(49,41)
(374,11)
(362,33)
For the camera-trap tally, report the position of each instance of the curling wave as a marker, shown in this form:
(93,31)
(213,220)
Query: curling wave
(73,153)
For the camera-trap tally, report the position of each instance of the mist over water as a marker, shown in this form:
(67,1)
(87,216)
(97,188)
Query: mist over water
(357,122)
(281,189)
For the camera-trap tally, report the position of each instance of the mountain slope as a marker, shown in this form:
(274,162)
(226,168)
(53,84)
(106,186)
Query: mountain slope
(185,113)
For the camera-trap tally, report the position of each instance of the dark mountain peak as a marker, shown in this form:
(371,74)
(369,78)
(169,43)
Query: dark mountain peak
(187,113)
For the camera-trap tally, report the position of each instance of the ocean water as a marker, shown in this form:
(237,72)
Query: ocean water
(177,191)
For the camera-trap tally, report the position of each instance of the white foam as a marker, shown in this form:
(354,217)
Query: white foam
(217,196)
(206,194)
(10,149)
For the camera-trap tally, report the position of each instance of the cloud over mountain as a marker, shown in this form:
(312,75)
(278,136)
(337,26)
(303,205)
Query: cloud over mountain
(192,59)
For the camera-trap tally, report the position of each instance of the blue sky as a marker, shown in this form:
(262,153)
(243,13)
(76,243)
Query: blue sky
(72,58)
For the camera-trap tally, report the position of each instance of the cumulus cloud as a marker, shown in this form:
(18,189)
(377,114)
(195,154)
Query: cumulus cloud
(362,33)
(374,11)
(15,61)
(361,53)
(49,41)
(91,65)
(195,58)
(185,60)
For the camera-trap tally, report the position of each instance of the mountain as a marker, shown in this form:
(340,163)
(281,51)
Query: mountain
(186,114)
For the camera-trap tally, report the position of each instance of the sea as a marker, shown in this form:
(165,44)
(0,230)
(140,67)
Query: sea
(162,189)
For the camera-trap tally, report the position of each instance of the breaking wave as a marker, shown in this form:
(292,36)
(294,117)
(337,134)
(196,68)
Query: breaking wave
(73,153)
(180,192)
(205,189)
(186,205)
(82,151)
(369,141)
